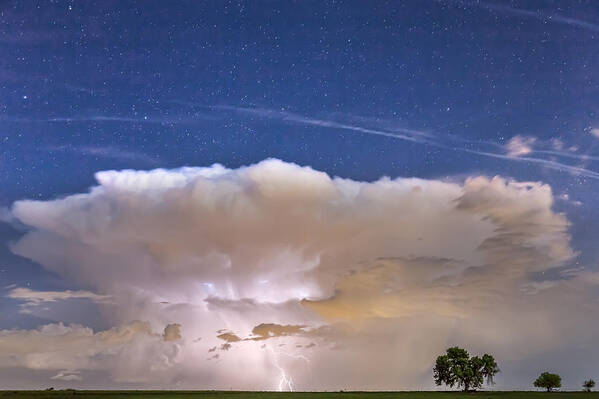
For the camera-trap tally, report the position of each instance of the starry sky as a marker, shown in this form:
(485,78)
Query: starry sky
(113,113)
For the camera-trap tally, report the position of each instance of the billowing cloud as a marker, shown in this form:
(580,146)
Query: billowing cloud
(131,351)
(520,145)
(270,330)
(228,337)
(172,332)
(278,258)
(33,298)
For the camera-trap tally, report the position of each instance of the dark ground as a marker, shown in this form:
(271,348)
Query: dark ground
(291,395)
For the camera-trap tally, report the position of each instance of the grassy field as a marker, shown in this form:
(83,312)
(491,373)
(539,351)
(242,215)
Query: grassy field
(291,395)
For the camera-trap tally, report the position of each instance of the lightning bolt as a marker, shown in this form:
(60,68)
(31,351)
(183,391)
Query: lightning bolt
(286,381)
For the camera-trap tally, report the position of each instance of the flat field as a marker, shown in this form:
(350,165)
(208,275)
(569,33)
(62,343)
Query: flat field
(291,395)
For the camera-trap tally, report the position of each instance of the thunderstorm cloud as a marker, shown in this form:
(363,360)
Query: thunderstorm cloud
(268,260)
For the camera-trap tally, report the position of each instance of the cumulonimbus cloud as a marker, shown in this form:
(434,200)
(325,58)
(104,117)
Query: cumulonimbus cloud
(272,252)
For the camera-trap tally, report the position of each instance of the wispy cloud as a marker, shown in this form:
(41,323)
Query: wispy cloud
(582,157)
(540,161)
(81,89)
(101,118)
(107,152)
(67,375)
(130,119)
(525,145)
(90,118)
(539,15)
(418,136)
(33,298)
(144,119)
(519,146)
(595,132)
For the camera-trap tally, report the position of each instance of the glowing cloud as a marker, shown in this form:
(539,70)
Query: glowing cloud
(274,262)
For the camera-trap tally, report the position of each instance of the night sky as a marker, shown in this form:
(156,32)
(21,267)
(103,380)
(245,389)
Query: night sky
(443,91)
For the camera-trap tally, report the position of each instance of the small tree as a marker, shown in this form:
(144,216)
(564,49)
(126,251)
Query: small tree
(548,381)
(588,385)
(457,368)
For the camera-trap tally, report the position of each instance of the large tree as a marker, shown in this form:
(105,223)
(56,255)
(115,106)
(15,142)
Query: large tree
(457,368)
(549,381)
(588,385)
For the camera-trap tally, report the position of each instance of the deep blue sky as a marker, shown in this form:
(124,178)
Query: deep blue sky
(89,86)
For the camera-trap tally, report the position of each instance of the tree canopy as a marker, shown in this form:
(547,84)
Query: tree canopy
(588,385)
(457,368)
(548,381)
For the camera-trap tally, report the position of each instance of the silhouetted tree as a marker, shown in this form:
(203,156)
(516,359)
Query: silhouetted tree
(457,368)
(588,385)
(548,381)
